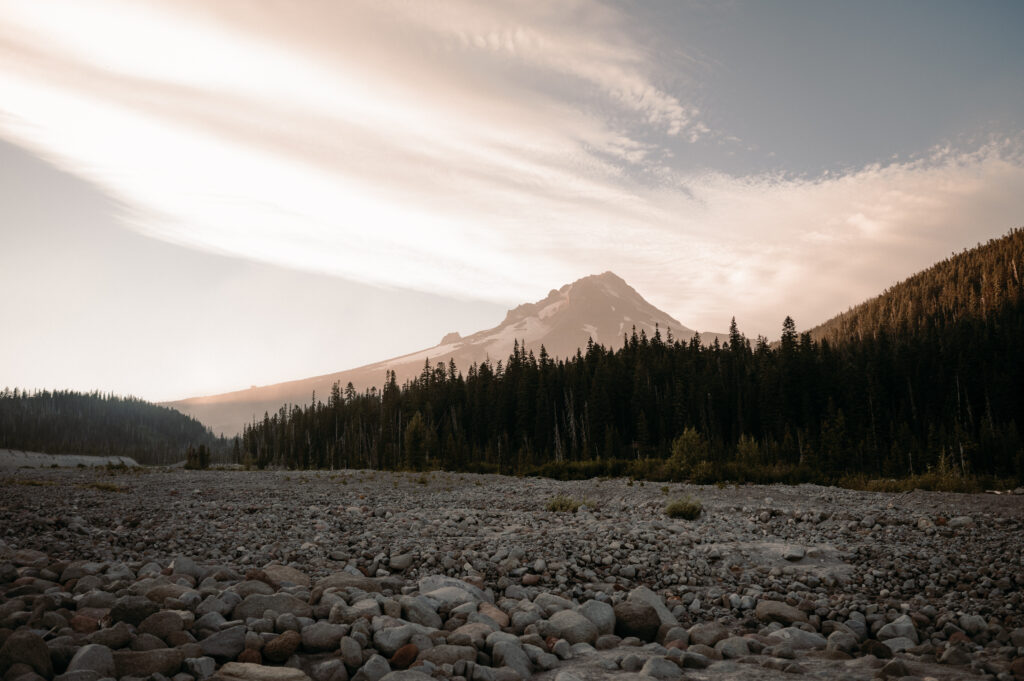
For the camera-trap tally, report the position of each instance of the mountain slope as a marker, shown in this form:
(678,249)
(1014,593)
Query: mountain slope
(69,422)
(970,284)
(602,307)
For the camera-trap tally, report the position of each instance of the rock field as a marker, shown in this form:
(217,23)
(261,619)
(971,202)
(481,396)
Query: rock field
(164,574)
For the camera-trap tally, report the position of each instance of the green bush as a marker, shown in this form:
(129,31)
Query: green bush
(690,448)
(563,504)
(686,508)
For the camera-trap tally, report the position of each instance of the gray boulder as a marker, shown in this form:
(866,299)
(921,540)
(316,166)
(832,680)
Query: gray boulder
(973,624)
(842,641)
(162,624)
(94,658)
(961,521)
(447,654)
(407,675)
(662,668)
(347,580)
(225,645)
(451,596)
(322,637)
(902,626)
(331,669)
(798,639)
(508,654)
(899,644)
(133,609)
(601,614)
(200,668)
(573,627)
(733,647)
(645,595)
(166,661)
(777,611)
(374,670)
(390,639)
(419,610)
(351,652)
(707,633)
(246,671)
(255,605)
(434,582)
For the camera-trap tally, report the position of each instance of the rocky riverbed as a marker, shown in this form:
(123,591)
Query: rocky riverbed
(283,576)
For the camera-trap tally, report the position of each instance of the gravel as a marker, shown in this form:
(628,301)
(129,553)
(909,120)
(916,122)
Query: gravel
(181,575)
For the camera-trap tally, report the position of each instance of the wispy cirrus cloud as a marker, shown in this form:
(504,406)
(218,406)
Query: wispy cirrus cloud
(488,151)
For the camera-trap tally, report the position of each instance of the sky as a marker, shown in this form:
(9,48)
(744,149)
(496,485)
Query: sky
(198,197)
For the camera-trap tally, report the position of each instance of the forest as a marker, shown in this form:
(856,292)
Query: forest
(926,377)
(69,422)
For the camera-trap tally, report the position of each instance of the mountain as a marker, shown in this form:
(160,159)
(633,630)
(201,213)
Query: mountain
(602,307)
(926,381)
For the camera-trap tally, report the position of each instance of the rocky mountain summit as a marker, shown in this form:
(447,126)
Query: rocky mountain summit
(278,576)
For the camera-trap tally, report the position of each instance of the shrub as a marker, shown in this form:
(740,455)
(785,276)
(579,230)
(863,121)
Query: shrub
(29,482)
(563,504)
(106,487)
(690,448)
(930,481)
(686,508)
(704,473)
(196,460)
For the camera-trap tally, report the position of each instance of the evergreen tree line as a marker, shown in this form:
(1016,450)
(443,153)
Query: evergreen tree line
(938,384)
(69,422)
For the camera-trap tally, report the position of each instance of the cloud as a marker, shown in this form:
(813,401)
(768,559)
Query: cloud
(486,151)
(764,246)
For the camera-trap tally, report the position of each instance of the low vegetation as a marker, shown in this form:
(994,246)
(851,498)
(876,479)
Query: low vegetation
(104,486)
(566,504)
(685,508)
(563,504)
(197,459)
(29,482)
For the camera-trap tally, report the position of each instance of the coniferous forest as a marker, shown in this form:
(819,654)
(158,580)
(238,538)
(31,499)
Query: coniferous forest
(927,377)
(69,422)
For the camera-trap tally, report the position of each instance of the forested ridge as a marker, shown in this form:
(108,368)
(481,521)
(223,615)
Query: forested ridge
(971,284)
(69,422)
(928,376)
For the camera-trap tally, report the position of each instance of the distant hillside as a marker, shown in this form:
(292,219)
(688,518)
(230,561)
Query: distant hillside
(601,307)
(67,422)
(968,285)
